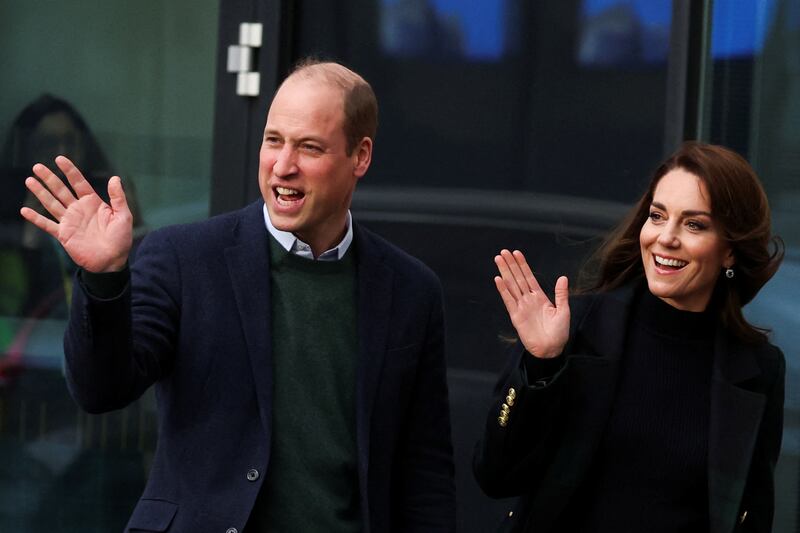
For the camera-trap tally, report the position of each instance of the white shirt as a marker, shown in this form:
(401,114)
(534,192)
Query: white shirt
(293,245)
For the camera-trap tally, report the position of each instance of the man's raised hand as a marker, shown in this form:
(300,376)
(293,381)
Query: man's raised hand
(96,235)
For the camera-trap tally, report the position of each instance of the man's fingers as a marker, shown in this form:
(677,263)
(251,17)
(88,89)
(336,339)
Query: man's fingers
(45,197)
(116,195)
(562,294)
(54,184)
(40,221)
(74,176)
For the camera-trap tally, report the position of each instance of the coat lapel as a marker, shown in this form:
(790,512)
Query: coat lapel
(248,268)
(735,417)
(374,305)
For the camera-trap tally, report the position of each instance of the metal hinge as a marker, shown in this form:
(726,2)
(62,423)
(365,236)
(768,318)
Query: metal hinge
(241,59)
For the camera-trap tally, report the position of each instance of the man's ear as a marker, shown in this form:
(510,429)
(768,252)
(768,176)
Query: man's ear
(362,157)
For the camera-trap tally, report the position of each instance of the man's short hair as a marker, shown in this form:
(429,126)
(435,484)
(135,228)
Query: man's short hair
(360,104)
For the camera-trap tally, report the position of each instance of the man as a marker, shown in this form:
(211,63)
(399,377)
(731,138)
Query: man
(298,358)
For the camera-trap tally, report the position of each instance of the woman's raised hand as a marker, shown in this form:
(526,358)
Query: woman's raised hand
(96,235)
(543,328)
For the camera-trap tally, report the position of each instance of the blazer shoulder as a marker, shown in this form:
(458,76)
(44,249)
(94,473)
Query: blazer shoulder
(770,357)
(201,236)
(401,262)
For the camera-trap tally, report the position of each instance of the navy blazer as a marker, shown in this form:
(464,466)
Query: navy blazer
(546,447)
(195,321)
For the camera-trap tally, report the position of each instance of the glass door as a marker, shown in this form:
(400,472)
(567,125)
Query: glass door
(752,104)
(124,88)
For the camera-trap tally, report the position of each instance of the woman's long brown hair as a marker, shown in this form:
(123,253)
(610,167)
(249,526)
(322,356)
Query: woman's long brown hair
(741,212)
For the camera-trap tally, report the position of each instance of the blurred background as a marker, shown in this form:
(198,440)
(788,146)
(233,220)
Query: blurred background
(503,123)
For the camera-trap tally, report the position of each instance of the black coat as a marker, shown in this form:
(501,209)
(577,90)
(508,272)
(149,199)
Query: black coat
(195,321)
(544,449)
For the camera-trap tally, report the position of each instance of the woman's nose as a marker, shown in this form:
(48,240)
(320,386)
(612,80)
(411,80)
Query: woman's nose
(669,236)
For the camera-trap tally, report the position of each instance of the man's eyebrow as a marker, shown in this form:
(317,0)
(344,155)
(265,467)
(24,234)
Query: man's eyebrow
(686,213)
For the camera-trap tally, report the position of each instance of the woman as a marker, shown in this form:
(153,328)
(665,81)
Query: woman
(648,404)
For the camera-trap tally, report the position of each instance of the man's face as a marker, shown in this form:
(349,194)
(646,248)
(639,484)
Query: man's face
(305,174)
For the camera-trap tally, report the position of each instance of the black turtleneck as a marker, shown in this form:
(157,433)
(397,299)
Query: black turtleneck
(650,471)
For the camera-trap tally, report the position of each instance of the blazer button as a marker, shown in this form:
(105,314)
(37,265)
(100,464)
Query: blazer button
(252,475)
(742,517)
(231,530)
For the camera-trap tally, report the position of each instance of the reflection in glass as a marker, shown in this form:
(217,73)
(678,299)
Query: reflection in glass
(754,107)
(624,33)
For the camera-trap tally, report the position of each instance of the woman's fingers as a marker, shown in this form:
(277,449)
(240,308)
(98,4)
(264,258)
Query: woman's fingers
(516,271)
(74,176)
(509,301)
(507,275)
(562,294)
(527,273)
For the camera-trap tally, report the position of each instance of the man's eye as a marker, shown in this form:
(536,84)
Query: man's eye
(312,148)
(272,140)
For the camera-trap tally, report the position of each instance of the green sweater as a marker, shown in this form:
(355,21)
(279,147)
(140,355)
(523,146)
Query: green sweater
(312,477)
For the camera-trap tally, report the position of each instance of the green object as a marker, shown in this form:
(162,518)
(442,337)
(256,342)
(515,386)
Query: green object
(312,478)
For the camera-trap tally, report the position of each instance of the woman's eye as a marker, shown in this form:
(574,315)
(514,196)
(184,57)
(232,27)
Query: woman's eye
(655,216)
(695,225)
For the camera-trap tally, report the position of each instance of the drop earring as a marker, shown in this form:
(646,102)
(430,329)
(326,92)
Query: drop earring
(729,273)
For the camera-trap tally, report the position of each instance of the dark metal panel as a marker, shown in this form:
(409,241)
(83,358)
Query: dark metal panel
(687,61)
(239,120)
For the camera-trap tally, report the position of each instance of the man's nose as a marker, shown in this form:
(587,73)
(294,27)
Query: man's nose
(286,162)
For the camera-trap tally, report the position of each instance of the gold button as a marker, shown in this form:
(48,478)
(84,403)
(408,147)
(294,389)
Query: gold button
(502,420)
(512,392)
(510,514)
(505,408)
(510,400)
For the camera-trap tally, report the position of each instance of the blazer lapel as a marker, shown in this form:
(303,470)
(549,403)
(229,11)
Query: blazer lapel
(735,417)
(248,267)
(374,305)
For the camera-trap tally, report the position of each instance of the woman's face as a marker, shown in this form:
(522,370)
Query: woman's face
(56,134)
(682,249)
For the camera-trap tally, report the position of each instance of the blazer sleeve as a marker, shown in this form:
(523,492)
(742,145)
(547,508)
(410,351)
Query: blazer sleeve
(522,425)
(758,500)
(115,348)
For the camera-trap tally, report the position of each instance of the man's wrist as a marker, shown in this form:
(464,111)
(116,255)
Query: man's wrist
(106,285)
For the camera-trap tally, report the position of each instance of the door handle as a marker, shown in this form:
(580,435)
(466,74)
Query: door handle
(241,59)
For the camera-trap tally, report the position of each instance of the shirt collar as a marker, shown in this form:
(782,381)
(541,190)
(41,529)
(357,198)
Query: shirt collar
(293,245)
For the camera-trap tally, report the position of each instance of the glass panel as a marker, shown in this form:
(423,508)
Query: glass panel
(120,87)
(754,107)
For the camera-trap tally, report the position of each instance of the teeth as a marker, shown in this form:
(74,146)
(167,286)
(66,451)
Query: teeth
(286,192)
(670,262)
